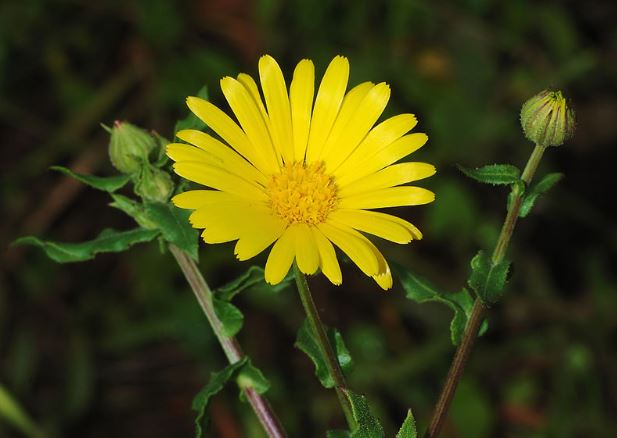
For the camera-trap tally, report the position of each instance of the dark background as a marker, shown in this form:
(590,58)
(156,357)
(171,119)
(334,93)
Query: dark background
(118,346)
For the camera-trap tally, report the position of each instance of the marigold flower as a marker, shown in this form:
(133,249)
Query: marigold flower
(301,172)
(547,119)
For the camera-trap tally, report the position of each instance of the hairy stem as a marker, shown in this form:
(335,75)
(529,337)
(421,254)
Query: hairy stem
(232,349)
(325,348)
(480,309)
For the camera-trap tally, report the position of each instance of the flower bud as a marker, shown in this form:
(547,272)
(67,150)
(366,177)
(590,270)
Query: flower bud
(153,184)
(547,120)
(129,147)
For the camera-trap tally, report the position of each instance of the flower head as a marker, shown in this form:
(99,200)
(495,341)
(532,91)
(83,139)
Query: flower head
(129,147)
(547,119)
(302,170)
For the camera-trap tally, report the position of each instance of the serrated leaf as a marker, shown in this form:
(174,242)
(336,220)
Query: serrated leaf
(488,279)
(174,225)
(408,429)
(367,425)
(493,173)
(107,241)
(229,315)
(106,183)
(543,186)
(191,121)
(251,377)
(215,384)
(421,290)
(306,342)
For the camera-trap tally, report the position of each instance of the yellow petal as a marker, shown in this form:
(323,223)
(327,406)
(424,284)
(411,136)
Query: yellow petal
(218,178)
(328,261)
(390,176)
(186,152)
(277,102)
(194,199)
(384,280)
(372,222)
(390,197)
(251,120)
(257,234)
(307,255)
(377,139)
(327,103)
(251,86)
(343,141)
(301,94)
(280,259)
(356,249)
(230,158)
(227,129)
(388,155)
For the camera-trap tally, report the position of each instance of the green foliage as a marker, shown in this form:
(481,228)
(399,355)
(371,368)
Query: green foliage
(108,241)
(420,290)
(488,278)
(106,183)
(174,226)
(408,429)
(337,434)
(231,317)
(493,174)
(246,376)
(14,414)
(252,277)
(367,426)
(305,341)
(191,121)
(543,186)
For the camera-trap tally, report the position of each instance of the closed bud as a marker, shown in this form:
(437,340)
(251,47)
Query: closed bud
(130,147)
(547,120)
(153,184)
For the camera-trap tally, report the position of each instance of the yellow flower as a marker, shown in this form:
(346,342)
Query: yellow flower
(301,174)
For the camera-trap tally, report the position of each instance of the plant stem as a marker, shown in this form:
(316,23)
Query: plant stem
(232,349)
(325,348)
(479,308)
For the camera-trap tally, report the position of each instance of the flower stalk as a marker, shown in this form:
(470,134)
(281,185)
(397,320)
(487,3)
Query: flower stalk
(479,308)
(232,349)
(325,348)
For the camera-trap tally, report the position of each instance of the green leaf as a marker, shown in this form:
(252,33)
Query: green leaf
(230,316)
(543,186)
(367,426)
(251,377)
(488,279)
(14,414)
(215,385)
(253,276)
(108,241)
(306,342)
(420,290)
(174,225)
(493,174)
(192,121)
(408,429)
(105,183)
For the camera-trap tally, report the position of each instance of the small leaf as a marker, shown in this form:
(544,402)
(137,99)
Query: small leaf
(253,276)
(420,290)
(306,342)
(230,316)
(108,241)
(367,426)
(543,186)
(106,183)
(174,225)
(493,174)
(488,279)
(191,121)
(215,385)
(251,377)
(408,429)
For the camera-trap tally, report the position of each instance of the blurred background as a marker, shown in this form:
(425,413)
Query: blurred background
(119,347)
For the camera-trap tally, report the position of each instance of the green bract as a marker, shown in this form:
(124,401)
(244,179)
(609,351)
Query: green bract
(129,147)
(547,120)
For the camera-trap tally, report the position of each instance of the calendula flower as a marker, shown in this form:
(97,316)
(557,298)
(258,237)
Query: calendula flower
(302,172)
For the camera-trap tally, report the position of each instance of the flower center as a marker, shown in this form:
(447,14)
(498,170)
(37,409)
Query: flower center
(302,193)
